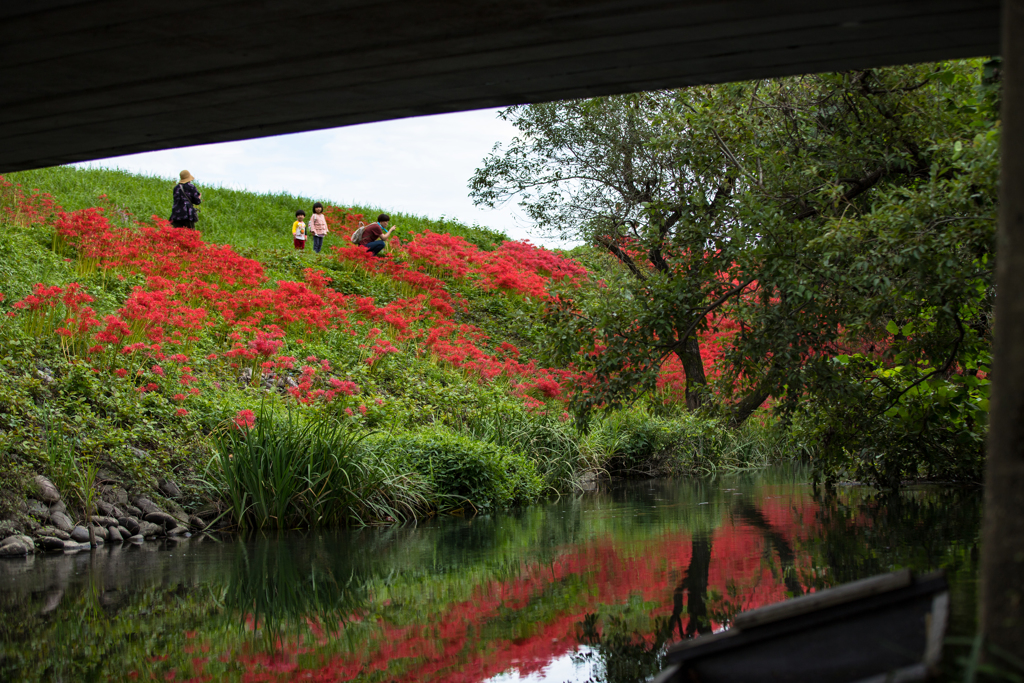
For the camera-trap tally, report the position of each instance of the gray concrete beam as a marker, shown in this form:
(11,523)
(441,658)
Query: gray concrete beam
(93,79)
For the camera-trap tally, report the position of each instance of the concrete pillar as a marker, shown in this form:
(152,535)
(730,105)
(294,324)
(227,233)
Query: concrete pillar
(1002,555)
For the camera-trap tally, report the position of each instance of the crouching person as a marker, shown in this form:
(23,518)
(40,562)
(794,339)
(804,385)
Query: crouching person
(373,237)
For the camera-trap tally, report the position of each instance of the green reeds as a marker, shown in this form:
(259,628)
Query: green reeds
(632,442)
(552,445)
(73,476)
(280,473)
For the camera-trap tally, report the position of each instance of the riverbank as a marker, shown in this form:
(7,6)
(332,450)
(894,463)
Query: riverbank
(222,374)
(277,474)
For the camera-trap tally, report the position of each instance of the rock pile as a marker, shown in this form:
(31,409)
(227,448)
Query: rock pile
(114,519)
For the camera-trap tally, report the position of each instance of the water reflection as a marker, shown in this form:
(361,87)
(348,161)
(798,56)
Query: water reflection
(583,589)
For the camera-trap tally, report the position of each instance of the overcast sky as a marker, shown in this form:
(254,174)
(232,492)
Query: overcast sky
(420,166)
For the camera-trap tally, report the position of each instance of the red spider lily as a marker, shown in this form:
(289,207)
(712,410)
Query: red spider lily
(344,386)
(245,419)
(193,290)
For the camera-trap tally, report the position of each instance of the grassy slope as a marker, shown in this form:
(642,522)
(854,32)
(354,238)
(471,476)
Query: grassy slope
(246,220)
(57,413)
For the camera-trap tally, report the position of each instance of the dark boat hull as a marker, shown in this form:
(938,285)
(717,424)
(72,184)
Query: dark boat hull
(895,634)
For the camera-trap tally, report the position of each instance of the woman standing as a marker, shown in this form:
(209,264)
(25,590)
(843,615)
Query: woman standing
(186,198)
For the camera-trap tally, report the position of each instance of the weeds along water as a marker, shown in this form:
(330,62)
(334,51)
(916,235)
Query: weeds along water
(303,390)
(282,474)
(279,473)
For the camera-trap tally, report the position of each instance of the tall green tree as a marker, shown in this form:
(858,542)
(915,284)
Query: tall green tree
(844,221)
(594,170)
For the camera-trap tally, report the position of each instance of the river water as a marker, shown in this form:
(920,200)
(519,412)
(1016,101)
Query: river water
(585,588)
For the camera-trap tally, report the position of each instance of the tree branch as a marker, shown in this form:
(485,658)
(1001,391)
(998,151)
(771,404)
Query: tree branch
(609,244)
(860,186)
(715,304)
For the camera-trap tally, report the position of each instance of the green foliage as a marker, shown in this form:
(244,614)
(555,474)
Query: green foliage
(552,443)
(638,442)
(795,220)
(284,474)
(935,428)
(468,473)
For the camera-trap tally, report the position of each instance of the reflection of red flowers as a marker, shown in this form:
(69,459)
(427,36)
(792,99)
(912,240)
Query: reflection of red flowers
(463,641)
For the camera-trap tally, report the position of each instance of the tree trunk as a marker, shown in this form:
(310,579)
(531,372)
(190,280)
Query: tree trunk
(1001,601)
(693,365)
(749,404)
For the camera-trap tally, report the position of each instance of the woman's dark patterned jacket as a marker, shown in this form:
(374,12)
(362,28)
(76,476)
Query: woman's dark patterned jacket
(186,197)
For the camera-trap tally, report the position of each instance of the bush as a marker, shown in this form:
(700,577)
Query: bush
(552,444)
(281,473)
(465,471)
(634,442)
(935,430)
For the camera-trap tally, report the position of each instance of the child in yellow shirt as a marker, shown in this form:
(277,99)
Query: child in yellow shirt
(299,230)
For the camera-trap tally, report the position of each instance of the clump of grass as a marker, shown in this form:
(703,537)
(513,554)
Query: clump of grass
(635,442)
(552,444)
(466,474)
(628,443)
(280,473)
(74,477)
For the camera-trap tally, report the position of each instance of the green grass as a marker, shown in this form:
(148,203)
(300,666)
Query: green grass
(237,217)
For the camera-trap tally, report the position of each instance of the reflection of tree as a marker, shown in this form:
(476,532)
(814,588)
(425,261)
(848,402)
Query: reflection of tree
(695,584)
(773,539)
(863,533)
(629,655)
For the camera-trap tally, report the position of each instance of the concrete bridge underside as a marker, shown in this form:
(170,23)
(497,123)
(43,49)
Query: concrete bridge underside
(87,79)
